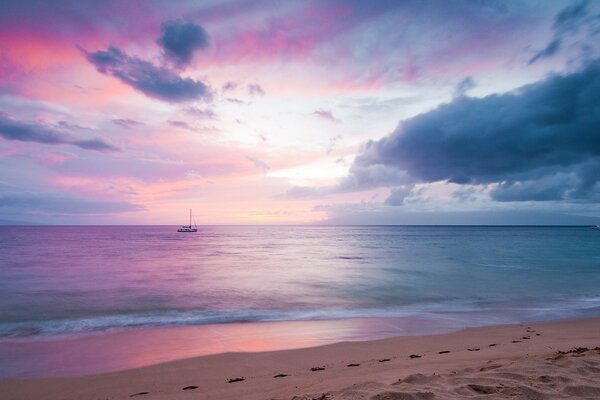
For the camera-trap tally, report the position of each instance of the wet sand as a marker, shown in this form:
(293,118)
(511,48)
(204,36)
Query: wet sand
(535,361)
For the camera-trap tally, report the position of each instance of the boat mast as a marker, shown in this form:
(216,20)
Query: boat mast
(190,217)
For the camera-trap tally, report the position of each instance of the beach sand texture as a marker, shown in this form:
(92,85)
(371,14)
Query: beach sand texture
(538,361)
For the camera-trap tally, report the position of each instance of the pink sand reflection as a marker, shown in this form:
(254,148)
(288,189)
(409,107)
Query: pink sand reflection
(137,348)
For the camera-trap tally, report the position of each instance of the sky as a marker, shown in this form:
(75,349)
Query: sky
(300,112)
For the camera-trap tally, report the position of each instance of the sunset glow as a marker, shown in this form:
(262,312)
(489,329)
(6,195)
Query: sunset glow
(263,112)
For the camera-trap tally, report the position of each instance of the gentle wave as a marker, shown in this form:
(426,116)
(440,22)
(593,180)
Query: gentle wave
(467,313)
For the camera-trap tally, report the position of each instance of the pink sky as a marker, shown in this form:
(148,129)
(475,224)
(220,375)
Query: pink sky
(101,122)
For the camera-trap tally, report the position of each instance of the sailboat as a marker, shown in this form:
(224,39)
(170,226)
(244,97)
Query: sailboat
(188,228)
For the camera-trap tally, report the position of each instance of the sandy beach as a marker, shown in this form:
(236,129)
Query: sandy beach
(533,361)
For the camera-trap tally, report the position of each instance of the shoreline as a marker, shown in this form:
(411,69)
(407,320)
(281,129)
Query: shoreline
(103,352)
(381,363)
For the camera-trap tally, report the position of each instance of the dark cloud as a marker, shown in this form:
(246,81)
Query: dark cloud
(550,50)
(180,40)
(576,19)
(398,216)
(255,89)
(536,134)
(39,133)
(570,18)
(464,86)
(398,195)
(156,82)
(547,188)
(93,144)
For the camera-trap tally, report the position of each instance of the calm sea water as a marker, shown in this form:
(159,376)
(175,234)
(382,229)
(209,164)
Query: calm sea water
(73,280)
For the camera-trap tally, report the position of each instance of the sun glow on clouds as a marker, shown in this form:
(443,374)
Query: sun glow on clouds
(261,112)
(322,172)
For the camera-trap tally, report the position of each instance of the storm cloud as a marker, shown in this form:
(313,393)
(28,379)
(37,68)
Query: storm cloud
(180,40)
(156,82)
(539,142)
(11,129)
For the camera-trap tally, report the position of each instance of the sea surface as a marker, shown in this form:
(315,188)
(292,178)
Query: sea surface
(60,282)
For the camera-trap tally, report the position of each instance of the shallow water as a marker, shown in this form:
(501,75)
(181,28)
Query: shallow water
(79,280)
(56,280)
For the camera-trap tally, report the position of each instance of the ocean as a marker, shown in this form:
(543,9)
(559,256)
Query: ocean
(67,282)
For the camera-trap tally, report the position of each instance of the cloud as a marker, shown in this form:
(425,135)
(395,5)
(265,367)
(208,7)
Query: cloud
(180,40)
(255,89)
(326,114)
(54,203)
(11,129)
(181,124)
(569,19)
(235,101)
(93,144)
(258,163)
(229,86)
(535,134)
(573,20)
(398,216)
(398,195)
(550,50)
(547,188)
(309,192)
(155,82)
(206,113)
(361,177)
(126,122)
(464,86)
(333,142)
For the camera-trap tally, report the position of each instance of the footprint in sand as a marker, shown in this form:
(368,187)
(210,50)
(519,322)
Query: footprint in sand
(233,380)
(313,369)
(474,349)
(444,352)
(492,345)
(138,394)
(481,389)
(384,360)
(190,388)
(353,365)
(280,376)
(516,341)
(490,367)
(415,356)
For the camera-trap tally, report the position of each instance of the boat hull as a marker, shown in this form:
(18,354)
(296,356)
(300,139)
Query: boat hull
(187,230)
